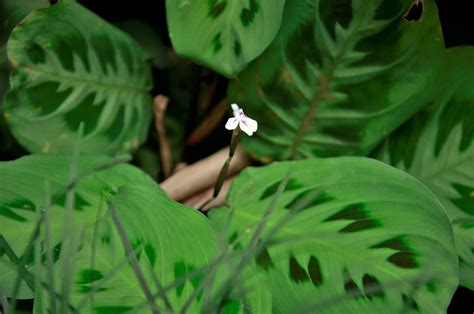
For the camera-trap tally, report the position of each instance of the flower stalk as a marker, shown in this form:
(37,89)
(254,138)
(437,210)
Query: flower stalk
(239,122)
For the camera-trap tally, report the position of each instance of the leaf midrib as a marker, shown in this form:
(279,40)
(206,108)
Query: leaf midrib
(323,82)
(63,77)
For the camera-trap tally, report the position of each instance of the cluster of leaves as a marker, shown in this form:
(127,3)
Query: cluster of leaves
(323,228)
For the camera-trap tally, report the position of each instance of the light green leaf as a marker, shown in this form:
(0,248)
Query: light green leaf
(223,34)
(437,146)
(339,77)
(365,237)
(22,194)
(170,239)
(73,67)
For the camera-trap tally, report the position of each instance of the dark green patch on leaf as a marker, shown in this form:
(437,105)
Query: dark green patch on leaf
(361,225)
(396,243)
(466,201)
(237,48)
(247,15)
(105,239)
(231,307)
(35,53)
(350,286)
(311,53)
(292,184)
(112,309)
(79,202)
(297,272)
(431,286)
(375,46)
(84,289)
(56,253)
(372,287)
(87,276)
(404,140)
(336,11)
(64,54)
(181,269)
(457,111)
(354,211)
(216,43)
(8,213)
(116,127)
(179,272)
(233,237)
(151,254)
(388,9)
(105,51)
(263,260)
(308,199)
(314,269)
(403,259)
(24,204)
(137,248)
(217,9)
(86,112)
(409,302)
(45,97)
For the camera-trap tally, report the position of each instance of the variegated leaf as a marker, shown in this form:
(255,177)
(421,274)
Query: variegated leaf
(72,67)
(223,34)
(340,76)
(23,193)
(354,236)
(437,146)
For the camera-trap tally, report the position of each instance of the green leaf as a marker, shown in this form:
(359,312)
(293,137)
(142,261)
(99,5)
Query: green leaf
(169,239)
(339,77)
(22,193)
(223,34)
(354,235)
(437,146)
(71,67)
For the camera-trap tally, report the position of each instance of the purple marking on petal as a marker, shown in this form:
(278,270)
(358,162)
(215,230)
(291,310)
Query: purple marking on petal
(241,112)
(244,122)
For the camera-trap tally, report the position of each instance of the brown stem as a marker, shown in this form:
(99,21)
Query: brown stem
(160,104)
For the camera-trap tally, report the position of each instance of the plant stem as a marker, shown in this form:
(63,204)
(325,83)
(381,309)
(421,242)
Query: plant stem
(225,168)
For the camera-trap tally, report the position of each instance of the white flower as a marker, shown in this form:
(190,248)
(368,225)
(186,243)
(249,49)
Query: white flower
(246,124)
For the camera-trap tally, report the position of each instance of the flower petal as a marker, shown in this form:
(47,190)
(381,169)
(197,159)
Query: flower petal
(235,107)
(251,123)
(231,123)
(248,125)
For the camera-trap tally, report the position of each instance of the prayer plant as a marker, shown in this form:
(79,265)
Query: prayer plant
(347,185)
